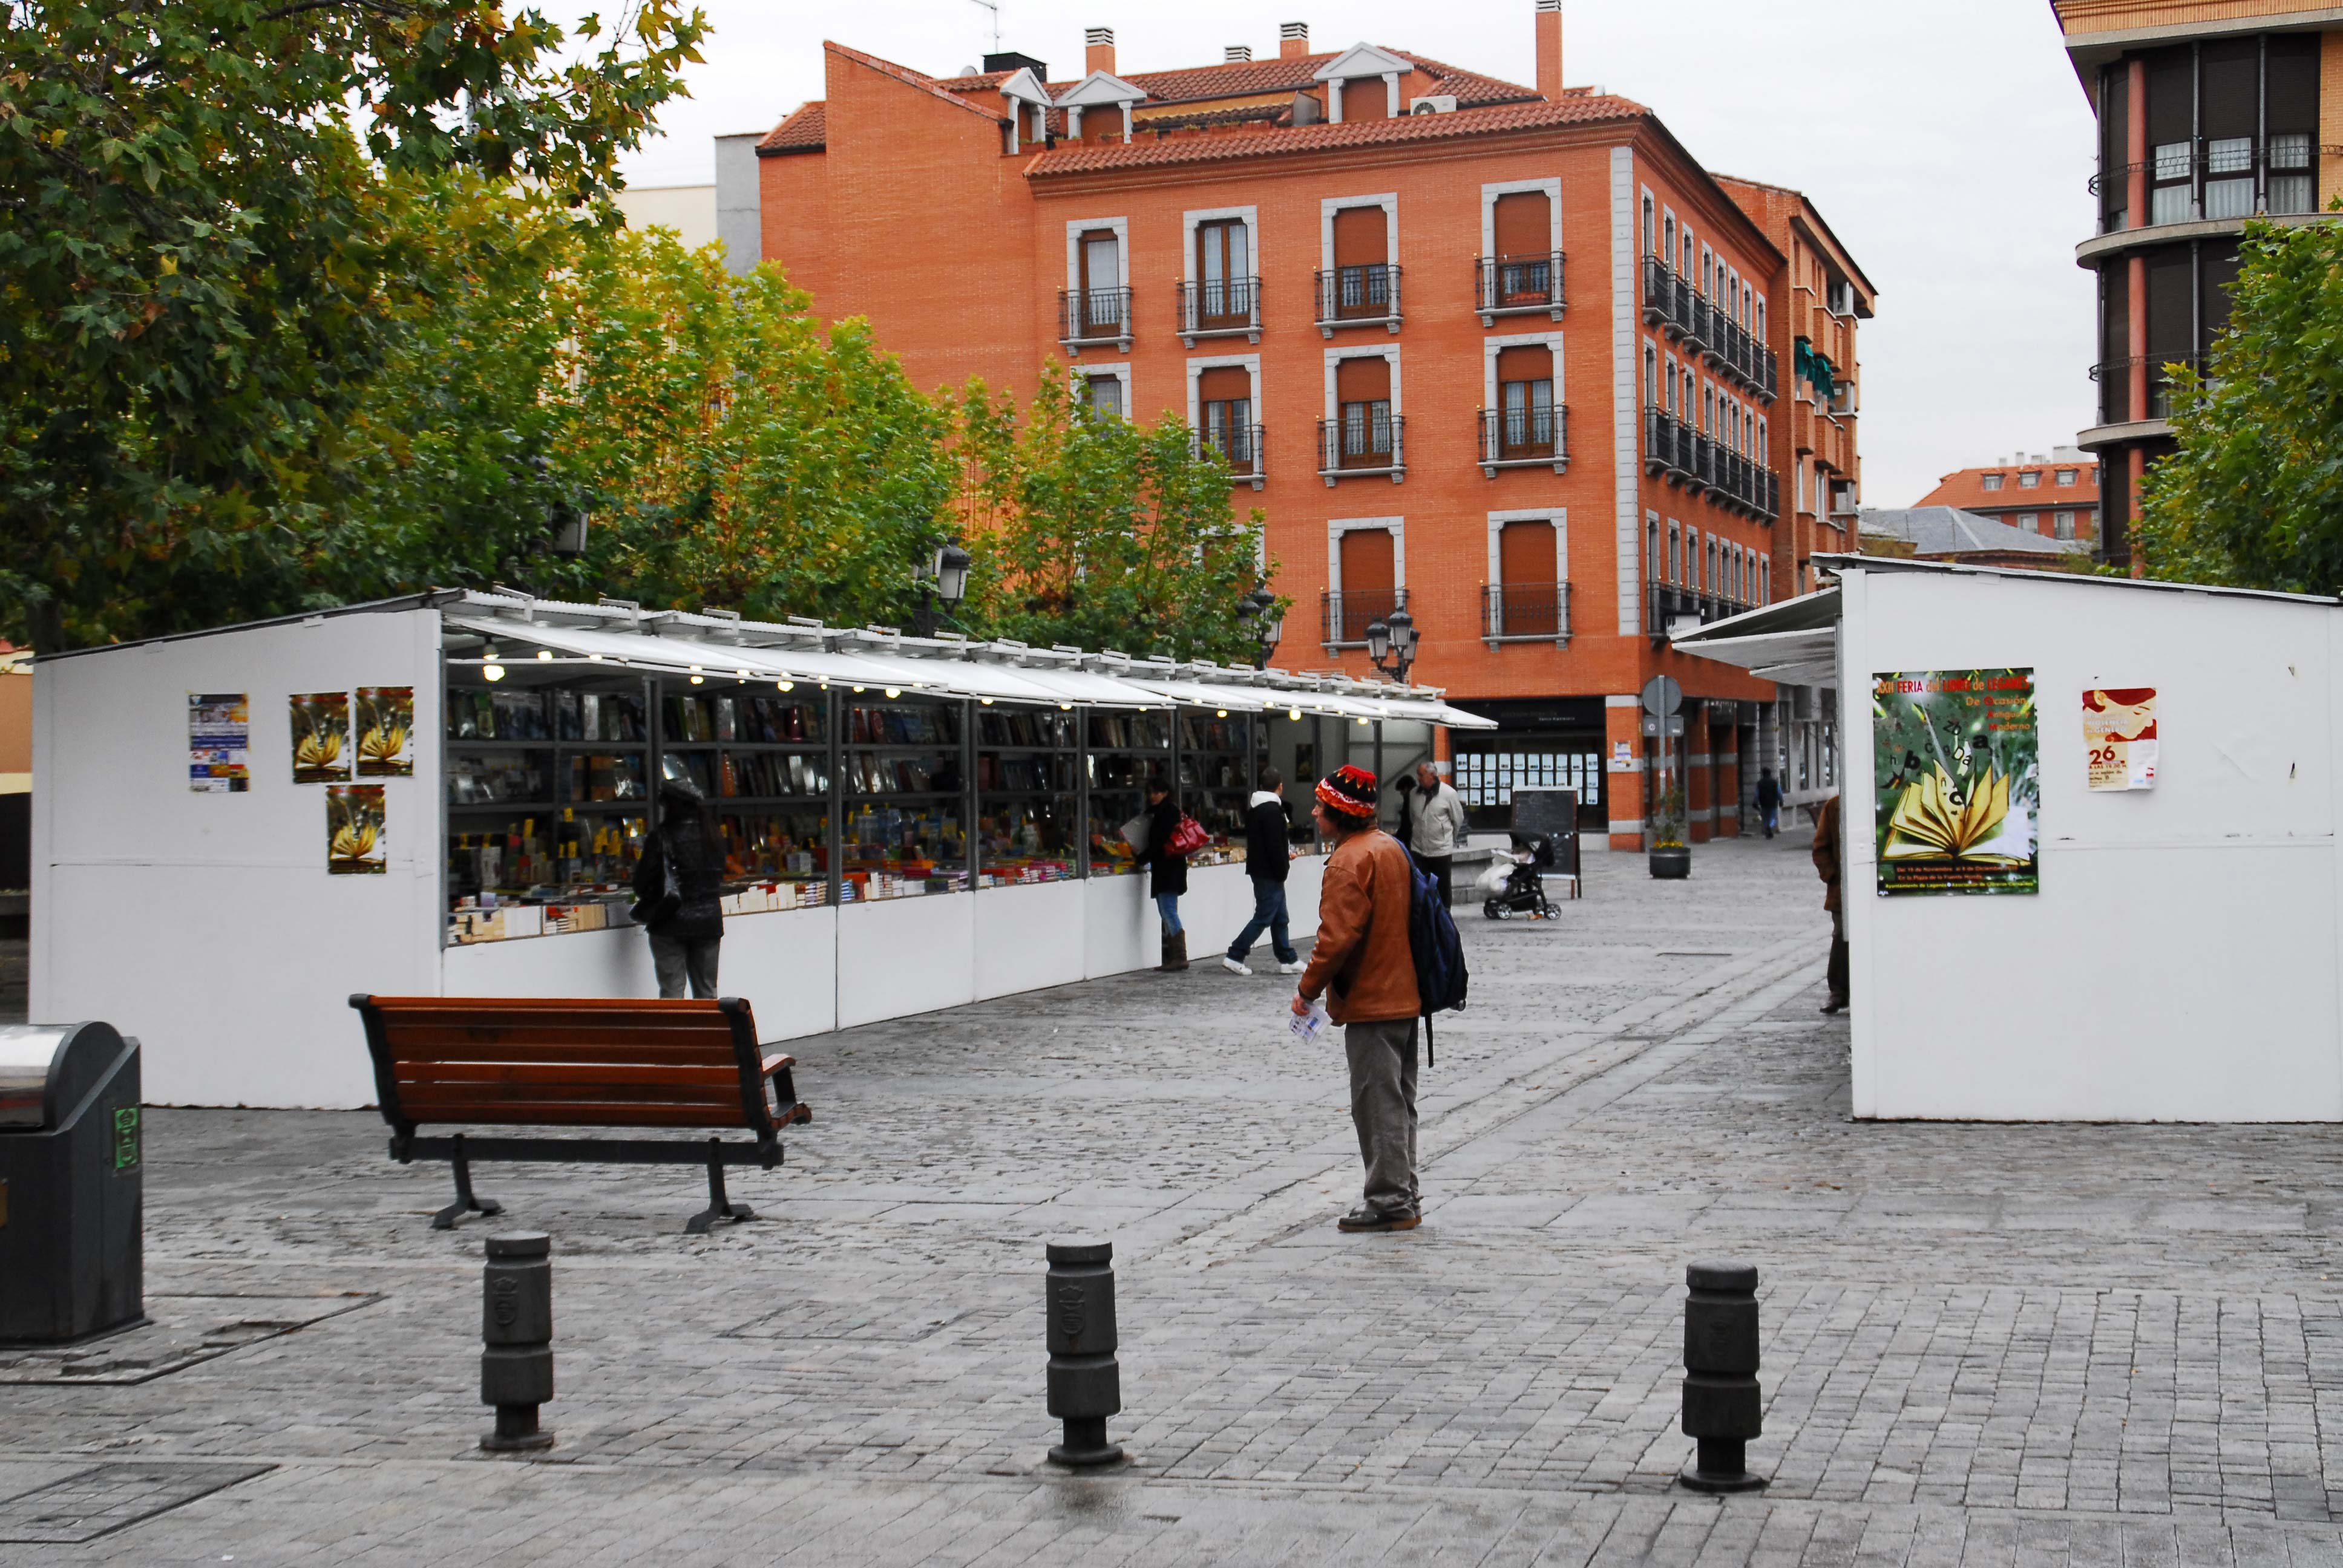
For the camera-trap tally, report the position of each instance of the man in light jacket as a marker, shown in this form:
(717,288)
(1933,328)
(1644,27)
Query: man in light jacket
(1438,826)
(1364,968)
(1268,849)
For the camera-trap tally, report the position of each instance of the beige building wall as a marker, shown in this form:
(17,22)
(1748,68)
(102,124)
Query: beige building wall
(690,210)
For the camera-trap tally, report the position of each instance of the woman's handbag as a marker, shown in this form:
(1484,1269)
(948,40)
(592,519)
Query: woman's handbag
(670,898)
(1187,838)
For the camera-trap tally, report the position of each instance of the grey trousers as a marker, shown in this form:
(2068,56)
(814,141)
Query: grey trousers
(676,957)
(1382,1107)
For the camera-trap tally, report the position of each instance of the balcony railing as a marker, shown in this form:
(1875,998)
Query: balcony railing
(2213,177)
(1736,352)
(1087,316)
(1525,612)
(2114,377)
(1219,308)
(1668,299)
(1358,297)
(1519,286)
(1240,446)
(1347,615)
(1353,447)
(1525,438)
(1665,603)
(1684,457)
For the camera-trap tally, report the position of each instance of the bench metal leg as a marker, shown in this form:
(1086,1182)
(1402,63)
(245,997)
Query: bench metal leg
(719,1207)
(465,1202)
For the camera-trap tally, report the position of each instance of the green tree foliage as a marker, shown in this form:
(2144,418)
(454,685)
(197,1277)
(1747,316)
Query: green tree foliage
(1094,531)
(2254,497)
(203,268)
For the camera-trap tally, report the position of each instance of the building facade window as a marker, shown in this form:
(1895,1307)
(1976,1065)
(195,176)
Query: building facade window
(2065,479)
(2031,479)
(1102,395)
(1991,481)
(1224,270)
(2030,521)
(2062,525)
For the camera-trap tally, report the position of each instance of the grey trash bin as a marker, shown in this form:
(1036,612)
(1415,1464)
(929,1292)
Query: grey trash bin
(71,1185)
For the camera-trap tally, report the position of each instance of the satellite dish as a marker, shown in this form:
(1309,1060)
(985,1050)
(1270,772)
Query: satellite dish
(970,71)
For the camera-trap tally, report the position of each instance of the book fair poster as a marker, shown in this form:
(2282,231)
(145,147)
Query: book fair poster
(219,741)
(321,736)
(354,836)
(385,725)
(2119,736)
(1956,757)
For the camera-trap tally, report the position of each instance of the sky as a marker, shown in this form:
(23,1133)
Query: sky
(1946,142)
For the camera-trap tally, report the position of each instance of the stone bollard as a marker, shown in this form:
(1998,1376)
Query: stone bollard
(1722,1410)
(516,1330)
(1085,1382)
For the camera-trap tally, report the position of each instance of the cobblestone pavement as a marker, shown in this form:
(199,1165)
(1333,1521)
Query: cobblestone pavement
(1982,1343)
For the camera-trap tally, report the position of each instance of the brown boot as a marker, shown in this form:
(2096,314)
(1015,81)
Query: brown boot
(1175,952)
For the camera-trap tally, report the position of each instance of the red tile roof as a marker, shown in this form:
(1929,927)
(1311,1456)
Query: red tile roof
(1246,78)
(806,130)
(1149,152)
(1965,489)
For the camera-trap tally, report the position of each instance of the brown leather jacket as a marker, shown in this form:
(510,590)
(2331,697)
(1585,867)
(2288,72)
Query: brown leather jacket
(1361,961)
(1826,851)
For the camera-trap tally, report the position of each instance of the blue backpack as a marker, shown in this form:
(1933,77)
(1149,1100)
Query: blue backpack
(1440,977)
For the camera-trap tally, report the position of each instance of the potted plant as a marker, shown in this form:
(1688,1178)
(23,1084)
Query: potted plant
(1671,855)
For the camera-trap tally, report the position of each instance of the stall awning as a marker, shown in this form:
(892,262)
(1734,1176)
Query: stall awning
(1095,690)
(1794,642)
(1196,694)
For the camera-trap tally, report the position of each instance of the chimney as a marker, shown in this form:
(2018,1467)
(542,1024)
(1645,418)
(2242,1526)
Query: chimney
(1292,40)
(1099,53)
(1237,55)
(1549,49)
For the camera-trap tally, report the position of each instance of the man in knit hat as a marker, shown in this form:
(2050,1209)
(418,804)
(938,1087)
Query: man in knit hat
(1363,967)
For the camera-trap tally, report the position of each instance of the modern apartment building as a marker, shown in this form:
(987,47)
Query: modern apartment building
(1504,356)
(2056,496)
(2210,112)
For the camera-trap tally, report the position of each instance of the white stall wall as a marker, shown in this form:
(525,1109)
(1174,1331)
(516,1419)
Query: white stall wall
(2180,961)
(206,925)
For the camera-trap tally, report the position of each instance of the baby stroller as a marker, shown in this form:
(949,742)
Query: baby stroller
(1522,889)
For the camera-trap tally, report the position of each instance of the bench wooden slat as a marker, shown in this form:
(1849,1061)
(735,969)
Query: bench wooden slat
(446,1036)
(721,1082)
(617,1054)
(414,1095)
(568,1113)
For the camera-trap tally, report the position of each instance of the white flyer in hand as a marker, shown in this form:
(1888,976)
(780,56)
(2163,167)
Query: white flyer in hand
(1308,1026)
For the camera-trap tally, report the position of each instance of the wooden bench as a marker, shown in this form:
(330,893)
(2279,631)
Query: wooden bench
(526,1063)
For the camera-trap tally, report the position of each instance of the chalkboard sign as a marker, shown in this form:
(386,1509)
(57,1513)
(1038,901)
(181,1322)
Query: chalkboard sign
(1554,813)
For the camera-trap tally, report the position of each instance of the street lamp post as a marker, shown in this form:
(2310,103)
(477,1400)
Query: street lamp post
(1391,644)
(1267,630)
(941,576)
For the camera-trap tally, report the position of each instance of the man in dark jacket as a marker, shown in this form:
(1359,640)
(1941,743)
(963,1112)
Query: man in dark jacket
(1268,847)
(1769,801)
(684,940)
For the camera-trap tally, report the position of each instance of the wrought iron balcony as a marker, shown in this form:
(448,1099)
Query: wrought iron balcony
(1518,286)
(1240,446)
(2114,377)
(1525,612)
(1525,438)
(1358,297)
(1666,603)
(1092,316)
(1668,299)
(1345,616)
(1684,457)
(1219,308)
(1349,446)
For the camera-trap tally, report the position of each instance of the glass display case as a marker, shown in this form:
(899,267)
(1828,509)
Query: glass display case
(1126,750)
(761,758)
(547,800)
(906,800)
(1216,779)
(1027,797)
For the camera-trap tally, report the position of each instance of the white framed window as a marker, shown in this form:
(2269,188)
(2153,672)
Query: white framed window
(2031,479)
(1991,481)
(2066,477)
(1104,388)
(2062,525)
(2030,521)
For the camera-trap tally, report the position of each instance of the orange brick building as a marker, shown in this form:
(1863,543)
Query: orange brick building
(2056,497)
(1504,355)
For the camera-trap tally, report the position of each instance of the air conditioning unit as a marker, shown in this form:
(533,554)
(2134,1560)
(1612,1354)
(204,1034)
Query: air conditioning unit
(1436,104)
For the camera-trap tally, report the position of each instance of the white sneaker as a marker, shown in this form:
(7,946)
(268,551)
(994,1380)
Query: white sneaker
(1234,967)
(1291,969)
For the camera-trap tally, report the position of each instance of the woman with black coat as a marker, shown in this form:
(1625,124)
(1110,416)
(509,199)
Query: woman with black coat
(684,937)
(1168,873)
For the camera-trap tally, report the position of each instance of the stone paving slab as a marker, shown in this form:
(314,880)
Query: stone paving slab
(1983,1344)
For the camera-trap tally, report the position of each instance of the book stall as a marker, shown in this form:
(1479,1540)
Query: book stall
(450,795)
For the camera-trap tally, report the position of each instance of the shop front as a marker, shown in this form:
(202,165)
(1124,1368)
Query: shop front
(449,794)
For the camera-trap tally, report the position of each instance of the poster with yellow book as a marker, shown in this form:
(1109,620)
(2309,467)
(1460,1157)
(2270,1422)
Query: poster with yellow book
(1956,761)
(385,727)
(357,844)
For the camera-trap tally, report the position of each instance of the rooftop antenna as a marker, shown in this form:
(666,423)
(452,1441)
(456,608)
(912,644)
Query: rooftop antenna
(993,6)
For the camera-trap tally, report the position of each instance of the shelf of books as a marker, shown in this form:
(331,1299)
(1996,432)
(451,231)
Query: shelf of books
(1216,781)
(548,796)
(1027,796)
(1126,750)
(761,758)
(906,801)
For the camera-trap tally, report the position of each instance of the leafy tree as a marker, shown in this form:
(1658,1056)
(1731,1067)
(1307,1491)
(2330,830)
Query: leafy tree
(203,269)
(742,454)
(2254,497)
(1092,531)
